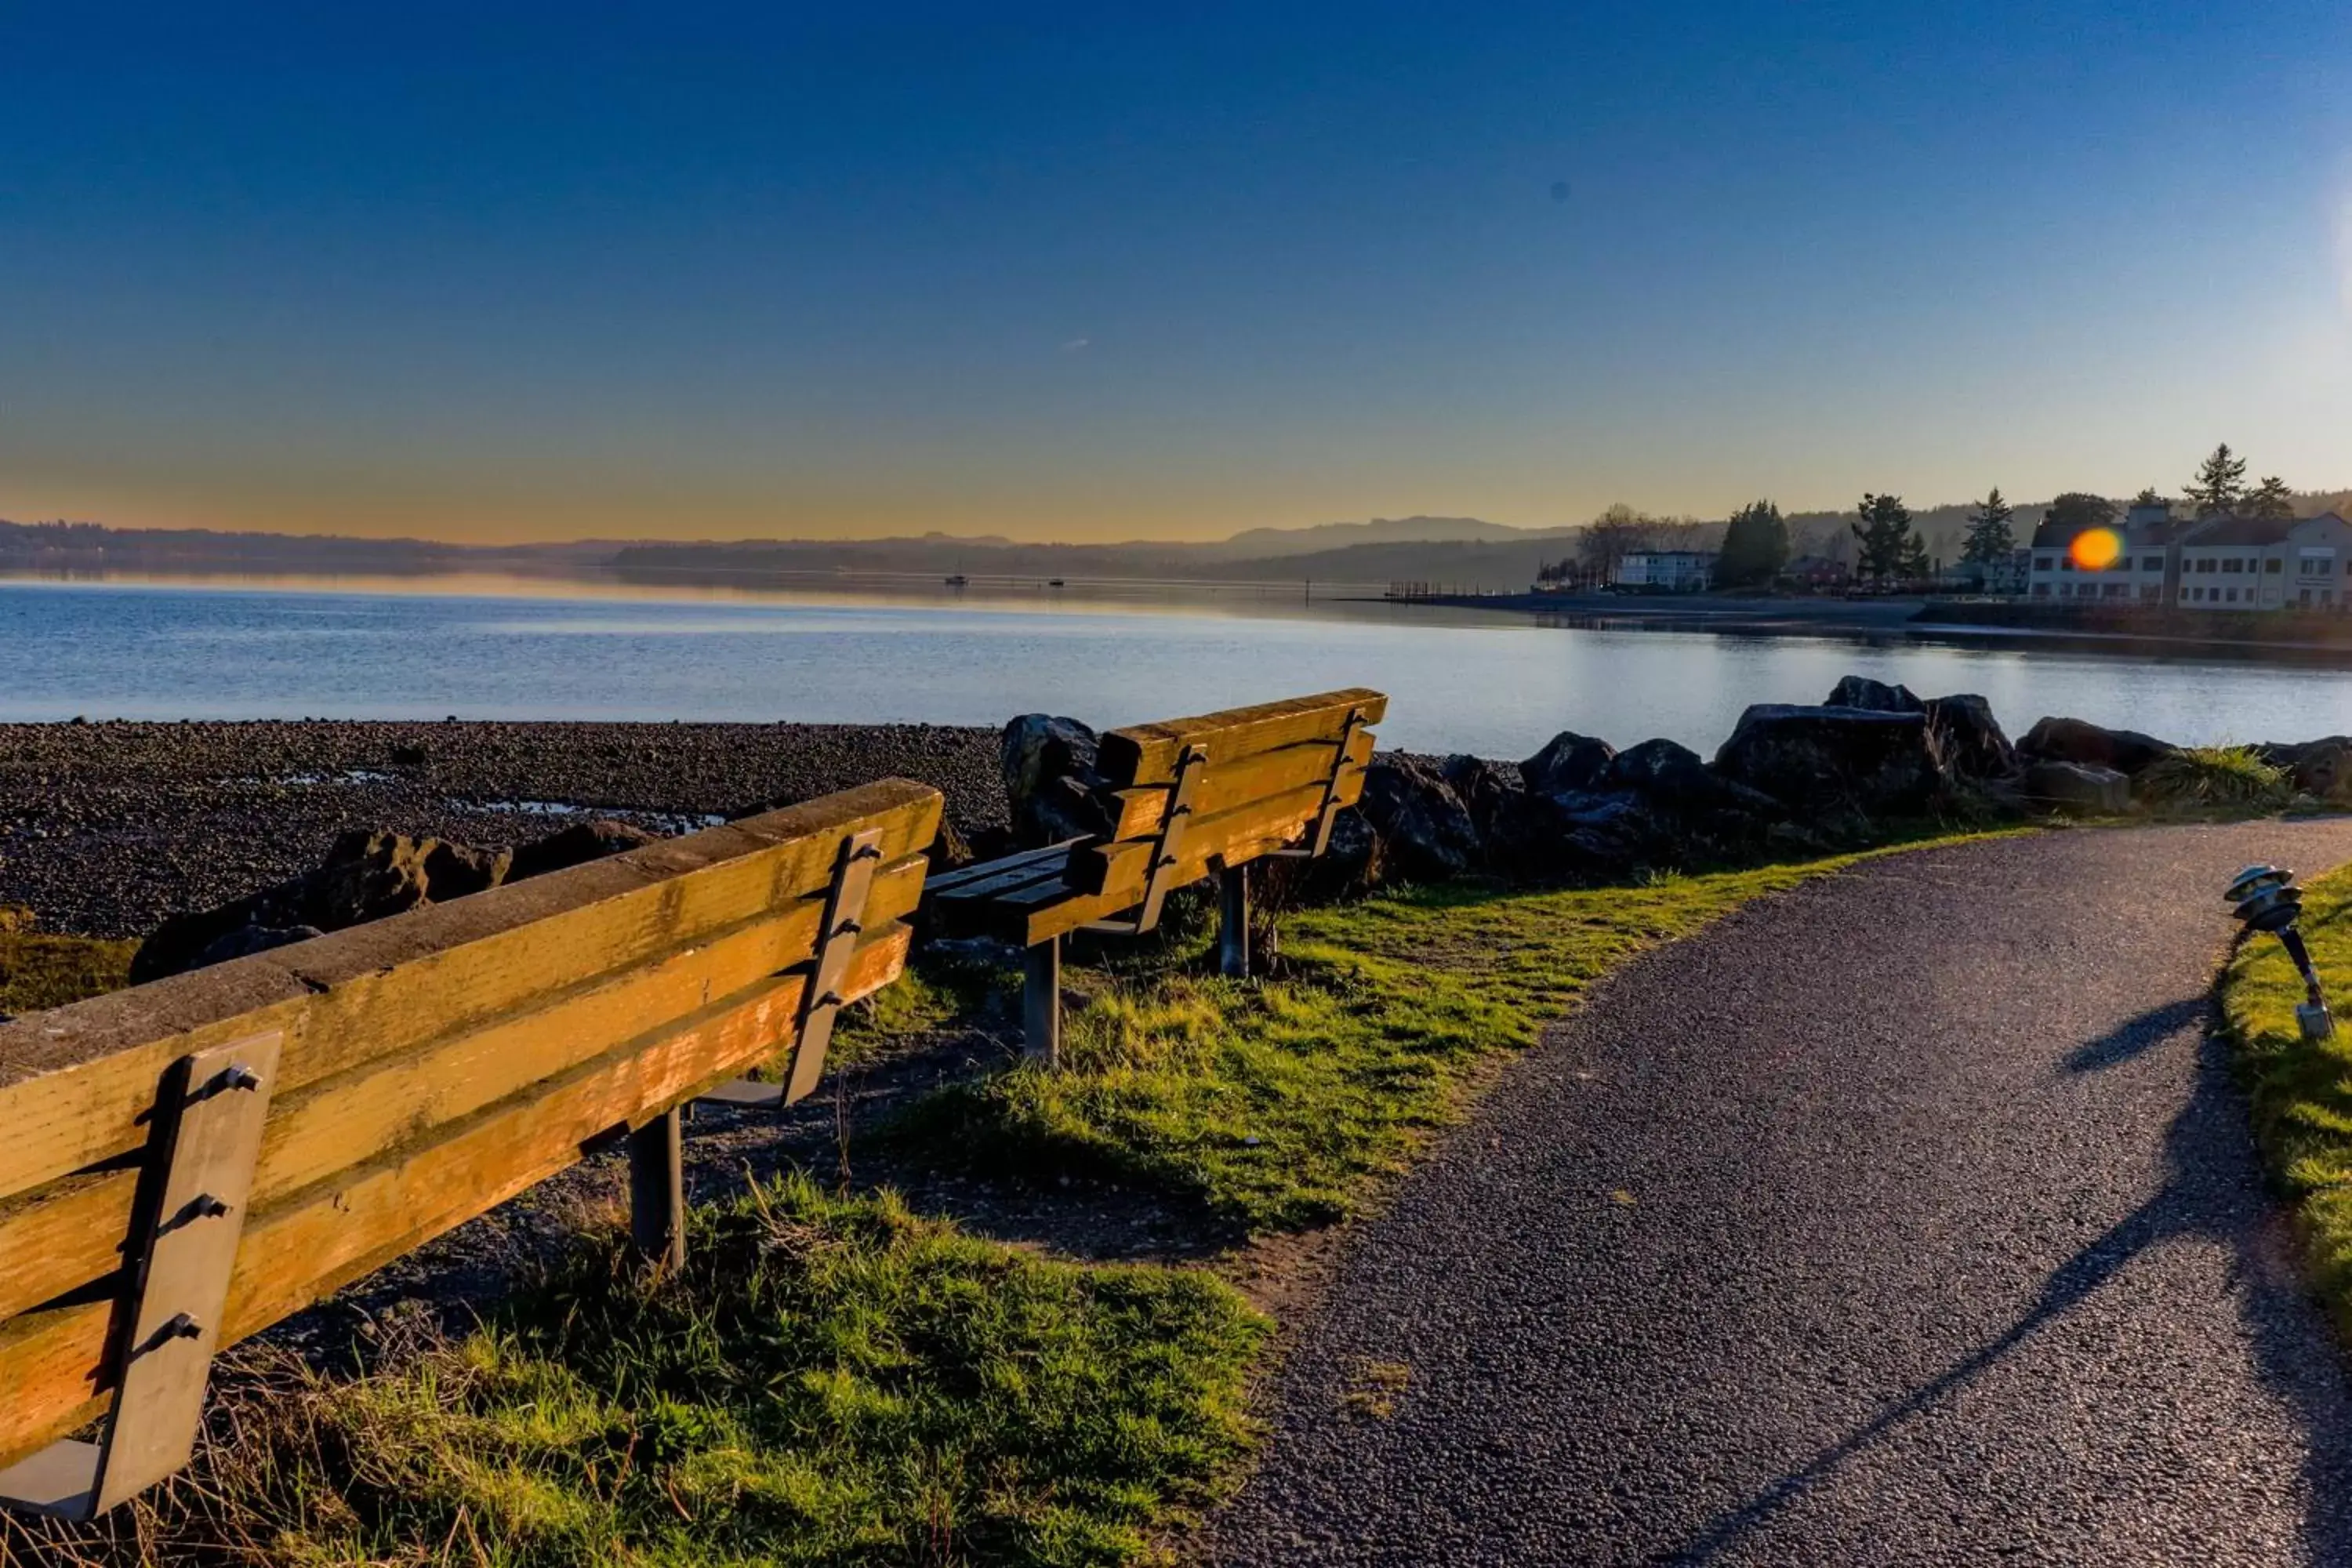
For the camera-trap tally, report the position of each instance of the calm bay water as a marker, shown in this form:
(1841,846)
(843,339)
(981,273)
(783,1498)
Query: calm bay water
(1458,681)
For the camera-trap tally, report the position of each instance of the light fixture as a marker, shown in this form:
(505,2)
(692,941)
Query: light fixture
(2266,898)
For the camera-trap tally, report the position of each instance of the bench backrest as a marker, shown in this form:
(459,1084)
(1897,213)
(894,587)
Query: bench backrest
(1260,780)
(420,1070)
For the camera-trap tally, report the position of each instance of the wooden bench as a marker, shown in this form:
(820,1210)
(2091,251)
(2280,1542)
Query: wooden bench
(187,1161)
(1188,798)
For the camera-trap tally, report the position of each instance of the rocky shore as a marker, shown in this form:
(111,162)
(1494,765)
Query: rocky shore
(105,829)
(109,829)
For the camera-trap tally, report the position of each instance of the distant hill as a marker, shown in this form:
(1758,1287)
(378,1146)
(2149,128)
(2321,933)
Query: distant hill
(1258,543)
(1465,552)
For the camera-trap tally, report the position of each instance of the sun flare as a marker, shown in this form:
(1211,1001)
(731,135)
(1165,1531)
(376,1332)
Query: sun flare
(2096,548)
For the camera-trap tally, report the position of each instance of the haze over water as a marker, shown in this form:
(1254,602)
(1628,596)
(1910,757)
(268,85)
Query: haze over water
(1493,684)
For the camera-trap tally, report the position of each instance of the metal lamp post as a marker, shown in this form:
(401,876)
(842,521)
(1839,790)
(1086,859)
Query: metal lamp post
(2266,898)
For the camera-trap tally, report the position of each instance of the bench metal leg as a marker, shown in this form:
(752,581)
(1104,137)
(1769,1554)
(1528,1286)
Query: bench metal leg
(658,1191)
(1233,921)
(1041,1000)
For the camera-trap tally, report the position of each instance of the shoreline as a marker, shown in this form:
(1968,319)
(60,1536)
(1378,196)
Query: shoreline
(1962,622)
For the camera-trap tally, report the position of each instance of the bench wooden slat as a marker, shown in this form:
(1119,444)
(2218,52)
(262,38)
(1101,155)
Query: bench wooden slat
(988,878)
(1243,835)
(1230,784)
(305,1248)
(1147,753)
(315,1132)
(1126,863)
(75,1081)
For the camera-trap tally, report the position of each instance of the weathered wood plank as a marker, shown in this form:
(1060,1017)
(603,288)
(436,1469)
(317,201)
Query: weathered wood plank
(319,1239)
(1146,753)
(1229,784)
(1125,862)
(955,881)
(1280,826)
(74,1082)
(1033,869)
(58,1241)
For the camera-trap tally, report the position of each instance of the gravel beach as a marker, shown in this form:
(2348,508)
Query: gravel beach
(107,829)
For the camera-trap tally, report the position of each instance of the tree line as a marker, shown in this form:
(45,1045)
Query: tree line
(1754,547)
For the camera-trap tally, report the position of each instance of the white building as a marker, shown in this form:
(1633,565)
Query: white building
(2267,564)
(1665,571)
(2140,574)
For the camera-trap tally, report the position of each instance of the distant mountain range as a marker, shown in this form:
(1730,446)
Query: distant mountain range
(1462,553)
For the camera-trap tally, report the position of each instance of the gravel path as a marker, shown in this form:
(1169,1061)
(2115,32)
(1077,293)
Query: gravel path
(1909,1218)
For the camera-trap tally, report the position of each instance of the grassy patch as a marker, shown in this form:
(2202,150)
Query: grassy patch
(1280,1104)
(2302,1093)
(832,1381)
(37,971)
(2214,778)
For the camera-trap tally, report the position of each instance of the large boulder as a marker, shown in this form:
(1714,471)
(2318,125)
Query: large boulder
(1829,763)
(1969,738)
(575,845)
(1686,812)
(364,877)
(1861,692)
(1969,741)
(1426,833)
(2127,752)
(2078,787)
(1487,790)
(2322,767)
(367,876)
(1568,761)
(1052,790)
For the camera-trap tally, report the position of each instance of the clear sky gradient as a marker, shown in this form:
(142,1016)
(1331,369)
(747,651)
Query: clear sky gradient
(524,271)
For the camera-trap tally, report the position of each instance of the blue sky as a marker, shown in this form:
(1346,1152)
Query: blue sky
(1107,272)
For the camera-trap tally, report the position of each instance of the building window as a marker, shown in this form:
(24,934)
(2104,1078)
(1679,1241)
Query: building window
(2274,565)
(2205,564)
(2152,563)
(2044,562)
(2041,590)
(2065,564)
(2231,596)
(2150,592)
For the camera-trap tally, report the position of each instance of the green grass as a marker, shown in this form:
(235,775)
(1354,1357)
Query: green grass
(37,971)
(831,1380)
(2300,1094)
(2214,778)
(1283,1104)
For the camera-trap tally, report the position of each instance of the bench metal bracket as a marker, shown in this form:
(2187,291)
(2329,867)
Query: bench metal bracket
(821,1000)
(185,1225)
(1320,838)
(1167,850)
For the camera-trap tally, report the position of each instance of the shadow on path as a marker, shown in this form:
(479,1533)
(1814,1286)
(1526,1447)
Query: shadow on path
(2136,1035)
(2211,1191)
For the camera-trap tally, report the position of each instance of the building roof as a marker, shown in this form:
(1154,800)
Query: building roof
(2049,536)
(2238,530)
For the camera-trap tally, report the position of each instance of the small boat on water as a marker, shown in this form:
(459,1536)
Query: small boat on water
(958,580)
(1054,584)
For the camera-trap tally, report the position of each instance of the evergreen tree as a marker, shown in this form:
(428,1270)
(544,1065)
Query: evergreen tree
(1884,538)
(2269,499)
(1990,539)
(2076,510)
(1755,547)
(2147,497)
(2220,484)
